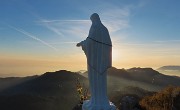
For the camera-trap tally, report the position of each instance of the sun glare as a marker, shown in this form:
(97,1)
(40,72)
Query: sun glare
(115,55)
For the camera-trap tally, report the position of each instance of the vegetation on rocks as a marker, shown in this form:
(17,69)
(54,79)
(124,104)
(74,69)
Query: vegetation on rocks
(167,99)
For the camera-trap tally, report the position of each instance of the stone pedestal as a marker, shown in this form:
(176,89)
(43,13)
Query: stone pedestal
(87,105)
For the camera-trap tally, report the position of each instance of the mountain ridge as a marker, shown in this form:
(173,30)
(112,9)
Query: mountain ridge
(169,67)
(57,90)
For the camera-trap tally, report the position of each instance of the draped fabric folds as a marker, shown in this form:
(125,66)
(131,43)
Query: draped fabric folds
(98,50)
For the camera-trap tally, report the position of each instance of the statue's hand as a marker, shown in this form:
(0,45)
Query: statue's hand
(78,45)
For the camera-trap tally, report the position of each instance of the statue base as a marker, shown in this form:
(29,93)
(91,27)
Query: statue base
(88,106)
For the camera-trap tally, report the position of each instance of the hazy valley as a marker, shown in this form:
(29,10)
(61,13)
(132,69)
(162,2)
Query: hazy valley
(57,90)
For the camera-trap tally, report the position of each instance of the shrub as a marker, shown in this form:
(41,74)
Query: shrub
(83,92)
(163,100)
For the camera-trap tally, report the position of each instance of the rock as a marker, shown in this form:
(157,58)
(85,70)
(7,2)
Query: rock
(78,107)
(129,103)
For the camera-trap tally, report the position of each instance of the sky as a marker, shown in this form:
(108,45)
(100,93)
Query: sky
(37,36)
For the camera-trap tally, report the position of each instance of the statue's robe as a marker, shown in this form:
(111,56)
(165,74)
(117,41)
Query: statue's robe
(98,50)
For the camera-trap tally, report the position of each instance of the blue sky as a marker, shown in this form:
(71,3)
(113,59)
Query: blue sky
(145,33)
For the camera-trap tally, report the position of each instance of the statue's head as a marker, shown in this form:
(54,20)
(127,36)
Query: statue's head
(95,17)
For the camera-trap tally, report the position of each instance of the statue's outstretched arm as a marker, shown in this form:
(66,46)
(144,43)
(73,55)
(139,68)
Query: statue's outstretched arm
(78,44)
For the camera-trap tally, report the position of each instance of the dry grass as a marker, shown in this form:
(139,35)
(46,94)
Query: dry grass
(163,100)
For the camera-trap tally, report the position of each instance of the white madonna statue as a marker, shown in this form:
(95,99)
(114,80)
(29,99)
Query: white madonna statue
(98,50)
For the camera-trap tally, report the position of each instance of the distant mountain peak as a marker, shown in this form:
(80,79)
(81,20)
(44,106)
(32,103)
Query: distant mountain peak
(170,67)
(140,69)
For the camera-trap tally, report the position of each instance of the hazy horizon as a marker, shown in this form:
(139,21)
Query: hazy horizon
(5,75)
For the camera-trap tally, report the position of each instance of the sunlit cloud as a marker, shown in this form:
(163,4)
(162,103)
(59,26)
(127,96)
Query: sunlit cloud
(116,18)
(67,28)
(33,37)
(150,49)
(52,21)
(167,41)
(54,43)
